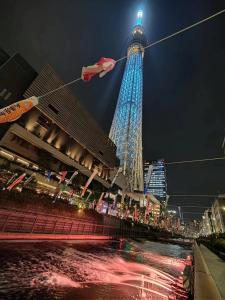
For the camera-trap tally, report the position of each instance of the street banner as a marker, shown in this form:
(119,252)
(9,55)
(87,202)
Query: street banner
(28,179)
(62,176)
(11,179)
(95,172)
(102,67)
(135,213)
(16,182)
(116,175)
(100,202)
(127,212)
(16,110)
(49,174)
(147,209)
(72,177)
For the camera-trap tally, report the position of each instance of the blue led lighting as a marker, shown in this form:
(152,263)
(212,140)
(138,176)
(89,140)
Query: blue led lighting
(139,18)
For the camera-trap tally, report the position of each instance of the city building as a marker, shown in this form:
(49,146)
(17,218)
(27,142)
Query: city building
(213,219)
(218,214)
(126,129)
(58,134)
(15,76)
(206,223)
(155,179)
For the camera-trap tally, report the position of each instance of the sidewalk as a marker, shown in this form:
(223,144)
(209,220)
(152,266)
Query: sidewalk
(216,267)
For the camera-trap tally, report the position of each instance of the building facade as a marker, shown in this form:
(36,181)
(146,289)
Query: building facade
(58,134)
(155,179)
(15,76)
(126,129)
(213,219)
(218,214)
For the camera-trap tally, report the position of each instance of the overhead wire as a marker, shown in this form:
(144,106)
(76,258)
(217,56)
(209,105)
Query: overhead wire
(146,47)
(194,160)
(209,196)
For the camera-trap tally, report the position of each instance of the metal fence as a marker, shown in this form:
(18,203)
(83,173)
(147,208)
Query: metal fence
(19,222)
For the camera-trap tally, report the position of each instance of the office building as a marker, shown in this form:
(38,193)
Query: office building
(155,179)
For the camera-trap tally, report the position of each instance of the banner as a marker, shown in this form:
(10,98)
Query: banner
(48,174)
(116,175)
(11,179)
(72,177)
(62,176)
(147,209)
(16,182)
(28,179)
(95,172)
(135,213)
(103,66)
(16,110)
(100,202)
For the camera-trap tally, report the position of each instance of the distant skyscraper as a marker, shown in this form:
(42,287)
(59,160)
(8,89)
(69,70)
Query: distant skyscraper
(126,129)
(155,179)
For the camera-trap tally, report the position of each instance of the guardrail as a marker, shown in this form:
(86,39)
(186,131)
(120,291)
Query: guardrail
(15,222)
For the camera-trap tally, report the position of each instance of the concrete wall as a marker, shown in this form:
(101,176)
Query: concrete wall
(204,285)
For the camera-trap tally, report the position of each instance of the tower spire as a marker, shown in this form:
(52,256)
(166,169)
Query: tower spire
(126,129)
(139,18)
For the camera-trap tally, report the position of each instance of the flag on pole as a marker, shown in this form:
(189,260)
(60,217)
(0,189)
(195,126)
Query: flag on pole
(147,209)
(48,174)
(16,182)
(62,176)
(72,177)
(100,202)
(28,179)
(95,172)
(16,110)
(116,175)
(135,213)
(102,67)
(127,212)
(11,179)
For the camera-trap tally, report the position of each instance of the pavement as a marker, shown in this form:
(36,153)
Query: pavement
(216,268)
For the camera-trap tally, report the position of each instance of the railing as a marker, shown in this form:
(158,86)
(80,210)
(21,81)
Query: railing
(16,222)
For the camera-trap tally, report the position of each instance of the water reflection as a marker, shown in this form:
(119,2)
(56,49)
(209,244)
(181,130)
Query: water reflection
(93,270)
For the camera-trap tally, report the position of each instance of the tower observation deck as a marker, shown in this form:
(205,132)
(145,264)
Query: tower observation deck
(126,129)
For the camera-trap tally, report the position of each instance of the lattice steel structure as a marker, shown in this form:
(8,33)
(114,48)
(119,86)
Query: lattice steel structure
(126,129)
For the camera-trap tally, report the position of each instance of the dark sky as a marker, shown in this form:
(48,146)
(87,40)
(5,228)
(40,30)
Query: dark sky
(184,77)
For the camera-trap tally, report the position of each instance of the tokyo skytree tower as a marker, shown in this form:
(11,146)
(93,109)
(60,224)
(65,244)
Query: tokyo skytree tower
(126,129)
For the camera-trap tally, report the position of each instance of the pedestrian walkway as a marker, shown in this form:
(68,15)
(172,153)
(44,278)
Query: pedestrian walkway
(216,267)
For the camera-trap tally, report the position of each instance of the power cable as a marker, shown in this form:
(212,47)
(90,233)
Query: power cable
(209,196)
(146,47)
(194,160)
(189,206)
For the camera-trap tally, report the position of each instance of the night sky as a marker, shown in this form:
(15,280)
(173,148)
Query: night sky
(184,77)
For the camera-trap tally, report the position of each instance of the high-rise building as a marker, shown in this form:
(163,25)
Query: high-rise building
(126,129)
(155,179)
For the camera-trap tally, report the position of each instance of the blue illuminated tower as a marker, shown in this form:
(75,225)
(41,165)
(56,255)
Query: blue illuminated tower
(126,129)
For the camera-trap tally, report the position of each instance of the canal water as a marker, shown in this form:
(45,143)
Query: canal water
(90,270)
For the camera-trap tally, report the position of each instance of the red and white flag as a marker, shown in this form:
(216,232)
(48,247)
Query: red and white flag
(135,213)
(62,176)
(102,67)
(100,202)
(95,172)
(16,182)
